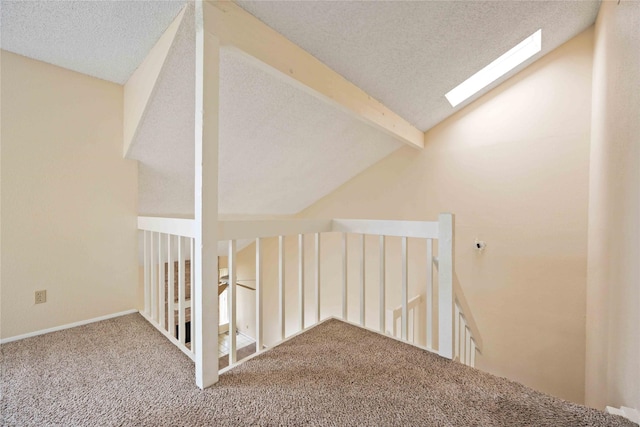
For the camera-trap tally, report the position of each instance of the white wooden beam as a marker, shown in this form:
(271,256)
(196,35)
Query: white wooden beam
(383,299)
(140,88)
(405,289)
(238,28)
(317,288)
(301,281)
(259,333)
(429,292)
(345,293)
(362,281)
(281,288)
(231,299)
(206,202)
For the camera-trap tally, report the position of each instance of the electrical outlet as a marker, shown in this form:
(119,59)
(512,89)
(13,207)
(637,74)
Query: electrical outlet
(41,297)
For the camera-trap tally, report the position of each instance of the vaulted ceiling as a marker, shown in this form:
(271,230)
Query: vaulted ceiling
(280,148)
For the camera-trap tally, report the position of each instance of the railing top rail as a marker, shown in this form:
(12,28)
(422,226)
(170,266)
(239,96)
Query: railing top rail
(420,229)
(251,229)
(176,226)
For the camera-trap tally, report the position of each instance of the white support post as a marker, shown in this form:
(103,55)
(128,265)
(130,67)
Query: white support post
(231,298)
(463,340)
(154,279)
(429,292)
(362,282)
(344,277)
(147,279)
(181,291)
(382,284)
(259,334)
(281,290)
(405,290)
(317,289)
(171,295)
(301,281)
(160,284)
(445,285)
(205,298)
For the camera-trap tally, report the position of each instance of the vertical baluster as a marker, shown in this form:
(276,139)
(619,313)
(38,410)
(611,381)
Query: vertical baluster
(171,296)
(154,279)
(161,292)
(467,347)
(145,259)
(301,281)
(232,302)
(192,292)
(281,293)
(383,305)
(405,285)
(362,282)
(429,302)
(344,277)
(259,342)
(456,331)
(445,285)
(181,290)
(317,247)
(473,353)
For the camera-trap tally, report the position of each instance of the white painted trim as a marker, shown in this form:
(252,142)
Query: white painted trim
(626,412)
(252,229)
(176,226)
(420,229)
(67,326)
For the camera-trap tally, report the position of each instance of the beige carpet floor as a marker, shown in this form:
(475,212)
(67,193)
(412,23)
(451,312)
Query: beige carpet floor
(122,372)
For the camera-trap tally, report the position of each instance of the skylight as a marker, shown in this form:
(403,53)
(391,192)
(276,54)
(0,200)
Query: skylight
(498,68)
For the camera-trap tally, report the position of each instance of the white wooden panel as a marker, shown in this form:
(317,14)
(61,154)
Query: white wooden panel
(420,229)
(445,285)
(363,301)
(259,333)
(382,297)
(232,301)
(281,289)
(463,340)
(344,278)
(317,288)
(429,293)
(171,297)
(181,290)
(301,281)
(251,229)
(176,226)
(405,289)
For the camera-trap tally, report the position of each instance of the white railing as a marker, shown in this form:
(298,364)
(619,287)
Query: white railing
(457,336)
(168,278)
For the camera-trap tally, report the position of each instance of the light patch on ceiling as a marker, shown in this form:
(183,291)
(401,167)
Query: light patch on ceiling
(498,68)
(104,39)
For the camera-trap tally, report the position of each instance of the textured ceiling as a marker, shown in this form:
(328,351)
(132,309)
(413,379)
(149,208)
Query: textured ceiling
(281,149)
(409,54)
(104,39)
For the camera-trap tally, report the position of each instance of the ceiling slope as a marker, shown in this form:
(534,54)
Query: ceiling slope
(408,54)
(281,149)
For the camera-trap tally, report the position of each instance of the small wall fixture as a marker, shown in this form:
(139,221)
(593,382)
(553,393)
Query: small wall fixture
(479,245)
(498,68)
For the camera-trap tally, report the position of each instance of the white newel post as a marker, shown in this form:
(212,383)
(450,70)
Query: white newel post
(445,285)
(206,203)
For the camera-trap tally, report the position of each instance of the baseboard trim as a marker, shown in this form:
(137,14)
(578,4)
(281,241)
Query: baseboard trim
(67,326)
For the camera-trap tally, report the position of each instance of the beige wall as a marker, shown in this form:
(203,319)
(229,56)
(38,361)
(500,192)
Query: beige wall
(514,168)
(68,198)
(613,293)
